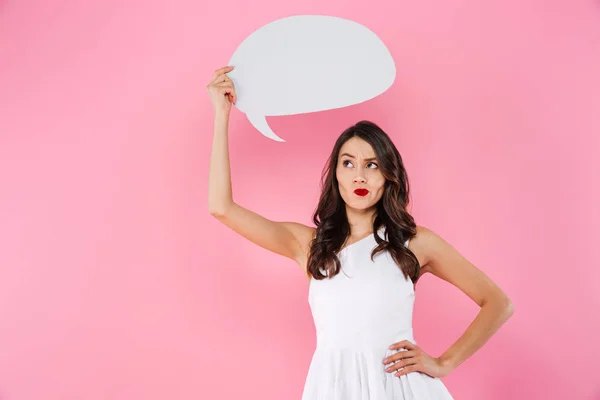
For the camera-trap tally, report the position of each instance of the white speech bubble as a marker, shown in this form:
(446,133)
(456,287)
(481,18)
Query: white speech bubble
(308,63)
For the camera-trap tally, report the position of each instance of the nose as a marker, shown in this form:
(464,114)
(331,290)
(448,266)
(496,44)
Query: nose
(359,179)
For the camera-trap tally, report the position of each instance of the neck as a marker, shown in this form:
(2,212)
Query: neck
(361,221)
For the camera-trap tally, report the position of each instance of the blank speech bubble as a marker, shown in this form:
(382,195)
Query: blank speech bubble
(308,63)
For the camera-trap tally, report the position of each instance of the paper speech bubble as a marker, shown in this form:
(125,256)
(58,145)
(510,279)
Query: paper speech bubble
(308,63)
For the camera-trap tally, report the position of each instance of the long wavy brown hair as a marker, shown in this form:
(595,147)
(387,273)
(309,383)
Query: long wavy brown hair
(330,215)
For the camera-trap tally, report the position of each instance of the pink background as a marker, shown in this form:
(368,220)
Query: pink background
(116,283)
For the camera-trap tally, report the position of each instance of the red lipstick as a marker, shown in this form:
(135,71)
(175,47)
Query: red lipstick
(361,192)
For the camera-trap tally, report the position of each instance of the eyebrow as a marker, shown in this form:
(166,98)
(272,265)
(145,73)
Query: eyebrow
(351,156)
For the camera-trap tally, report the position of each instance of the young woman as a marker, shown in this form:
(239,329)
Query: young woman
(362,261)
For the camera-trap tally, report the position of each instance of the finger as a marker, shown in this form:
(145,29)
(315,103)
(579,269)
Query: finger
(229,95)
(224,84)
(403,344)
(230,89)
(221,78)
(402,363)
(217,79)
(227,83)
(399,356)
(406,370)
(221,71)
(225,91)
(408,361)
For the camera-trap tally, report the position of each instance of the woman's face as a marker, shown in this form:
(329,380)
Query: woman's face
(358,168)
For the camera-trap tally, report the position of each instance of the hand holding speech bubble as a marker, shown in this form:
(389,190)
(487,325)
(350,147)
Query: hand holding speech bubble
(308,63)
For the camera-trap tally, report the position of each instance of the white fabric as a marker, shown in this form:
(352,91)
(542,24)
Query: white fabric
(358,314)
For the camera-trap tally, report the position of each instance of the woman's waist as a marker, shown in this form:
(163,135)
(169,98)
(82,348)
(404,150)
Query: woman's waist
(362,339)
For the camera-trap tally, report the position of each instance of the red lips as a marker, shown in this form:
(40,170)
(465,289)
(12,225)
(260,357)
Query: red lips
(361,192)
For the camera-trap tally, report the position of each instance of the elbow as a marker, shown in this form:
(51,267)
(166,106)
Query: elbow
(510,308)
(503,305)
(507,307)
(218,211)
(218,207)
(215,212)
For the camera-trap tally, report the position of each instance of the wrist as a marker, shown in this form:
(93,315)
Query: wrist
(446,363)
(222,113)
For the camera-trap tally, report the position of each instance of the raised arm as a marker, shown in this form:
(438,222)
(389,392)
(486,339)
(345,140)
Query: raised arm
(290,239)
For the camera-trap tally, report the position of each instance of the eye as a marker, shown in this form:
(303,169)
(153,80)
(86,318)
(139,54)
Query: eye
(373,164)
(345,162)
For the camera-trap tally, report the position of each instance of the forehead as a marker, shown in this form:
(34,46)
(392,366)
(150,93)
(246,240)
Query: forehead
(358,148)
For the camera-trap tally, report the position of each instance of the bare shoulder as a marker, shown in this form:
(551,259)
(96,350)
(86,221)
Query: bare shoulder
(424,238)
(427,245)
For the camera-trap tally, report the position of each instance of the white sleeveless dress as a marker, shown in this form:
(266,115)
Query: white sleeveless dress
(358,314)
